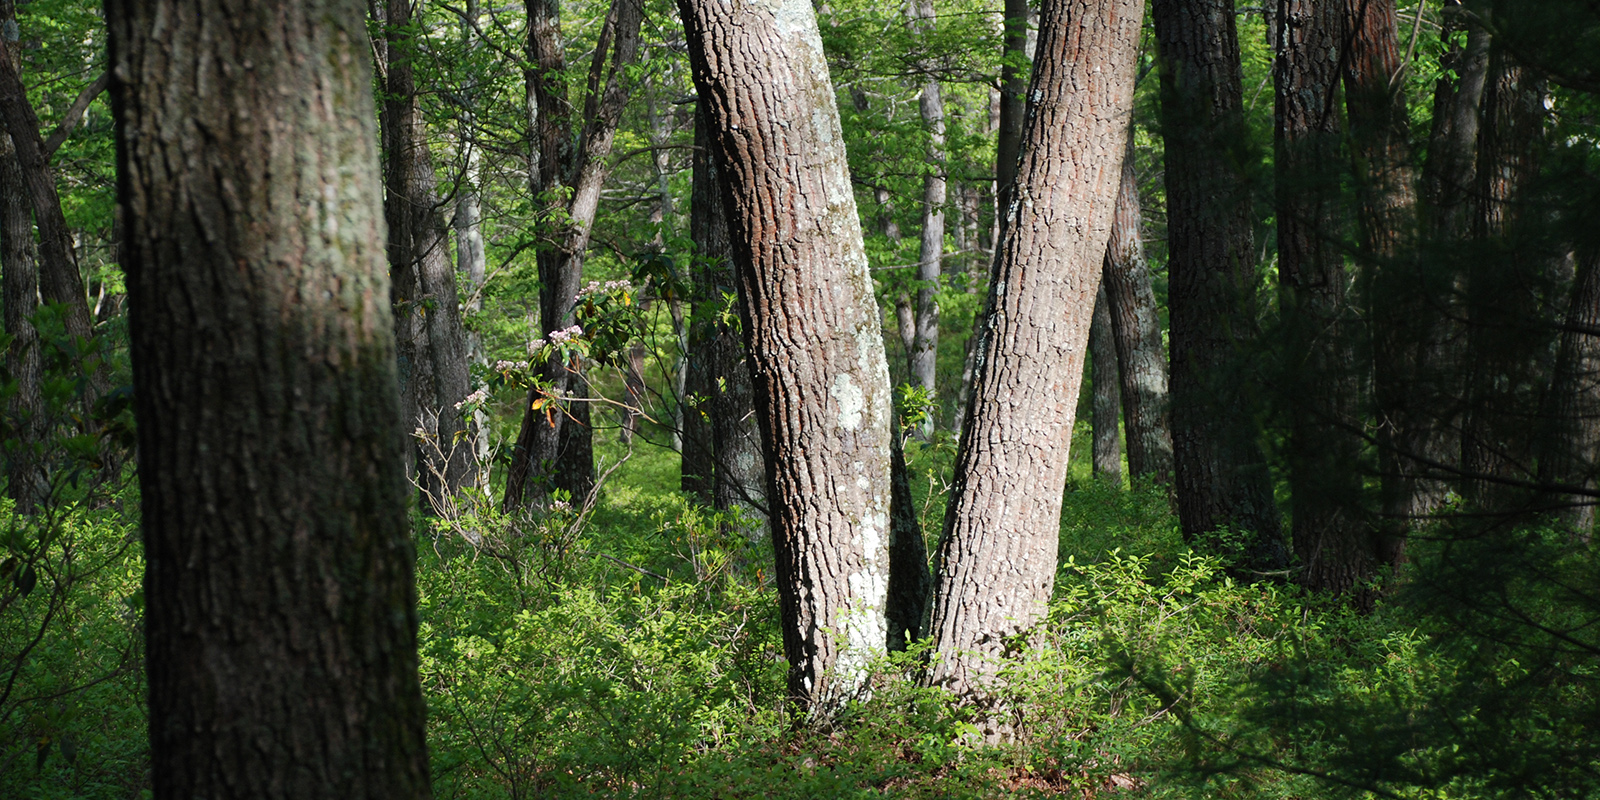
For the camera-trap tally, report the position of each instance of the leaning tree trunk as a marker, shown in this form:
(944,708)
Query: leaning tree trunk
(811,324)
(998,555)
(1136,330)
(1107,384)
(59,279)
(280,621)
(556,450)
(1319,385)
(1221,474)
(431,341)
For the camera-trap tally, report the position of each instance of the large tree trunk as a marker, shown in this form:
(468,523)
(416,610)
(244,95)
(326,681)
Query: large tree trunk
(811,324)
(556,450)
(998,555)
(1332,541)
(1221,473)
(19,273)
(1107,449)
(1136,331)
(431,341)
(280,622)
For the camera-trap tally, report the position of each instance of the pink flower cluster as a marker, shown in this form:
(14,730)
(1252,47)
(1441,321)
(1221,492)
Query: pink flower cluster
(596,287)
(476,397)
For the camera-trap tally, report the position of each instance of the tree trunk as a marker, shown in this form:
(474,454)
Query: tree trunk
(910,583)
(998,555)
(736,469)
(1333,542)
(280,622)
(1415,310)
(1507,319)
(472,259)
(59,280)
(431,341)
(1136,331)
(1221,474)
(556,450)
(811,324)
(1107,448)
(26,482)
(924,348)
(1571,445)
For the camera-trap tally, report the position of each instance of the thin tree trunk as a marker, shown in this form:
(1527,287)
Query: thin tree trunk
(1332,540)
(472,259)
(1136,331)
(1222,481)
(924,348)
(1107,383)
(811,324)
(556,450)
(280,621)
(59,280)
(998,554)
(910,582)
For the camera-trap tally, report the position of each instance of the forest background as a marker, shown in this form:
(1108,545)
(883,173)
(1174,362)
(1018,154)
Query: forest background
(618,631)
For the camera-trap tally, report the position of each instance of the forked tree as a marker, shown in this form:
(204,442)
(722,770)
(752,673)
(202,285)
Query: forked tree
(280,621)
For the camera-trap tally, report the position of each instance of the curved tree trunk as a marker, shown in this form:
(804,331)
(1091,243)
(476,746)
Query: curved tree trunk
(1136,332)
(811,324)
(1332,540)
(1221,474)
(280,623)
(998,555)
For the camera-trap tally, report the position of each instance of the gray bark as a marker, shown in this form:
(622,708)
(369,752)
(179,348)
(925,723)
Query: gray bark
(811,325)
(924,348)
(998,554)
(1136,331)
(19,273)
(1106,453)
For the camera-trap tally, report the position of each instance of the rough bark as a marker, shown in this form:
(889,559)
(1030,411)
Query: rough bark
(556,450)
(1336,549)
(1107,448)
(1136,332)
(1221,474)
(59,279)
(811,325)
(19,273)
(472,259)
(998,554)
(280,623)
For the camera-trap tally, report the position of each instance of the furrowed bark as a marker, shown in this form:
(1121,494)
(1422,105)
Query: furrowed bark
(998,554)
(280,622)
(811,326)
(1136,331)
(1107,448)
(1221,473)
